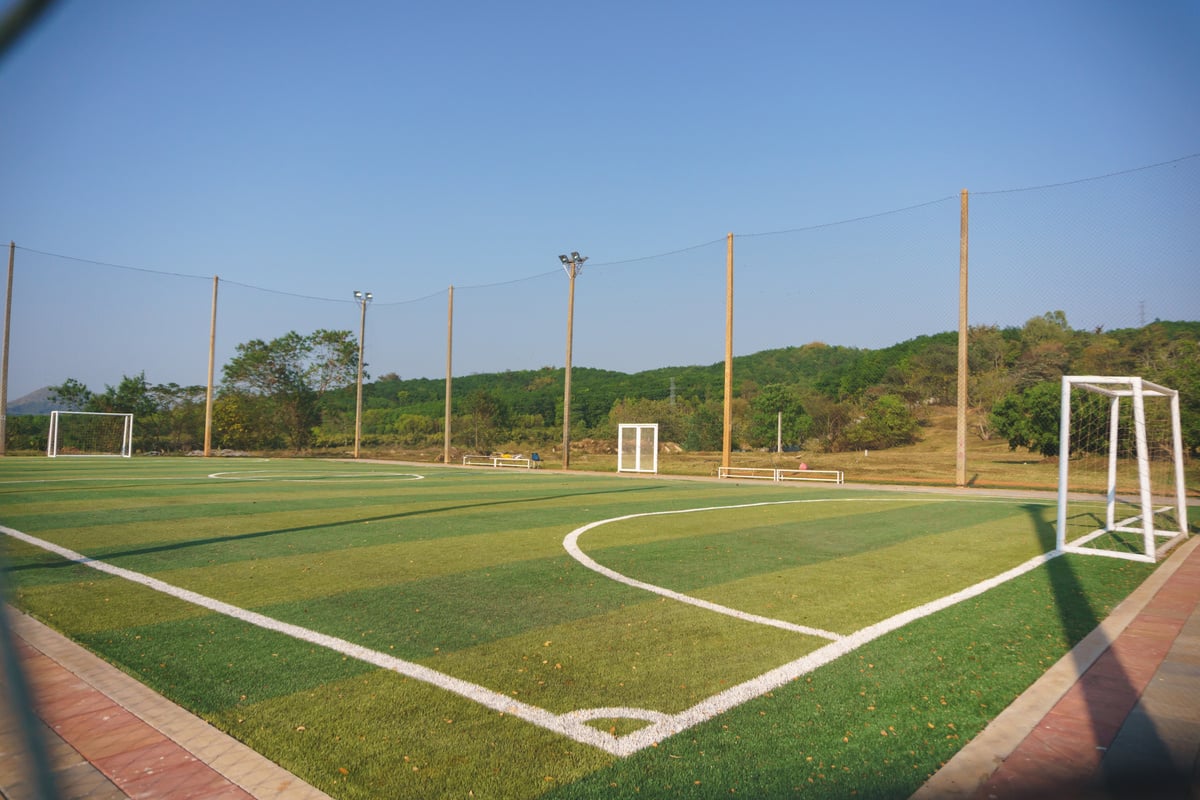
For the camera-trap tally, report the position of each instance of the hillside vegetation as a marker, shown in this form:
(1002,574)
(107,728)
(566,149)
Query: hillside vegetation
(815,398)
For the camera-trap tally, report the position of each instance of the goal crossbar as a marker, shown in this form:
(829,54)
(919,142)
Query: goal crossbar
(1142,523)
(90,433)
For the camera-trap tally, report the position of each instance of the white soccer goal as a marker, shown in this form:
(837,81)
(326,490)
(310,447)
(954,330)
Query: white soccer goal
(1120,468)
(89,433)
(637,447)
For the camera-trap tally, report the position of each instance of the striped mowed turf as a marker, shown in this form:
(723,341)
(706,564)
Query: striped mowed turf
(464,572)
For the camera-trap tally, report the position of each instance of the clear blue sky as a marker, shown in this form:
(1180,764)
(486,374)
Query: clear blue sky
(314,148)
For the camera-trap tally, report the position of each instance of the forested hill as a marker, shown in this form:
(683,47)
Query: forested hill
(830,370)
(832,386)
(823,395)
(924,365)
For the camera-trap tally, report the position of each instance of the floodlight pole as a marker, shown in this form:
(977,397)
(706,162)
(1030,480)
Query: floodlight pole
(362,298)
(449,379)
(727,428)
(572,264)
(12,249)
(960,446)
(212,360)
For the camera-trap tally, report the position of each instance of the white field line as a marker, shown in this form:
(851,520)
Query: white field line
(109,479)
(571,543)
(572,724)
(310,477)
(573,727)
(769,681)
(247,475)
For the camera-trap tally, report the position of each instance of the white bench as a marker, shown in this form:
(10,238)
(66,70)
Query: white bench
(778,475)
(826,475)
(757,473)
(498,461)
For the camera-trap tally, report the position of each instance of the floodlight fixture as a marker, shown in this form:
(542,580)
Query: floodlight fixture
(571,264)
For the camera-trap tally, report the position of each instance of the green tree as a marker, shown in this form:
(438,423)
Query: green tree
(931,374)
(26,432)
(243,421)
(72,394)
(1176,364)
(294,372)
(177,423)
(1030,418)
(886,422)
(764,420)
(705,428)
(830,418)
(1050,327)
(487,414)
(989,377)
(414,430)
(131,396)
(672,418)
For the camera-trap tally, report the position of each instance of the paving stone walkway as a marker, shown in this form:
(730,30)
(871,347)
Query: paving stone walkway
(110,738)
(1118,717)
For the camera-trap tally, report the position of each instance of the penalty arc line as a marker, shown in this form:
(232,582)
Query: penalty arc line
(571,544)
(571,724)
(755,687)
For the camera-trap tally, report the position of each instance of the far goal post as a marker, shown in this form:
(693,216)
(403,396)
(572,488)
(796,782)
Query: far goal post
(637,447)
(1120,470)
(89,433)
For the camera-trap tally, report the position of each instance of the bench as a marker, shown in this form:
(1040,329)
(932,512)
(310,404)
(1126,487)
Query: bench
(778,475)
(499,461)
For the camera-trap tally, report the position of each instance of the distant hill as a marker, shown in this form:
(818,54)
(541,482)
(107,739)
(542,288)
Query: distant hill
(36,402)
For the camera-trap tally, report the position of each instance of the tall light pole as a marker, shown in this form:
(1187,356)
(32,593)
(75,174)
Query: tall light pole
(362,298)
(572,264)
(12,250)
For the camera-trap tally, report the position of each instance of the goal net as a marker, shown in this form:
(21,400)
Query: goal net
(89,433)
(637,447)
(1120,469)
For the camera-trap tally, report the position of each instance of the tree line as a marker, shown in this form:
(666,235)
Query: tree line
(298,393)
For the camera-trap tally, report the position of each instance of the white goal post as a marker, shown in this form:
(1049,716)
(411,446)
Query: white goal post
(90,433)
(637,447)
(1120,468)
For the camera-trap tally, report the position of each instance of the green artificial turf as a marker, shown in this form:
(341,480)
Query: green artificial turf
(464,572)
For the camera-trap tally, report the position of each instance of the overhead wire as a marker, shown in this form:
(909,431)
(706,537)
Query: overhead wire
(619,262)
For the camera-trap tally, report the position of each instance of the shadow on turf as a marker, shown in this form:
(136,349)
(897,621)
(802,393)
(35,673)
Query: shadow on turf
(1108,704)
(163,548)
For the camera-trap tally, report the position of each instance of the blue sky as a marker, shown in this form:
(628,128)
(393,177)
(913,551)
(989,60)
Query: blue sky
(307,149)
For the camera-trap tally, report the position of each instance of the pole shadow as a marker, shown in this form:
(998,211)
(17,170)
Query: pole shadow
(26,767)
(1075,737)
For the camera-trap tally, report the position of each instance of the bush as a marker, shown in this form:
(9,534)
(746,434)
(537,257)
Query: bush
(887,422)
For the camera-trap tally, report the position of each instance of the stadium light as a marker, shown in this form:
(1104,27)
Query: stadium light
(572,264)
(362,298)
